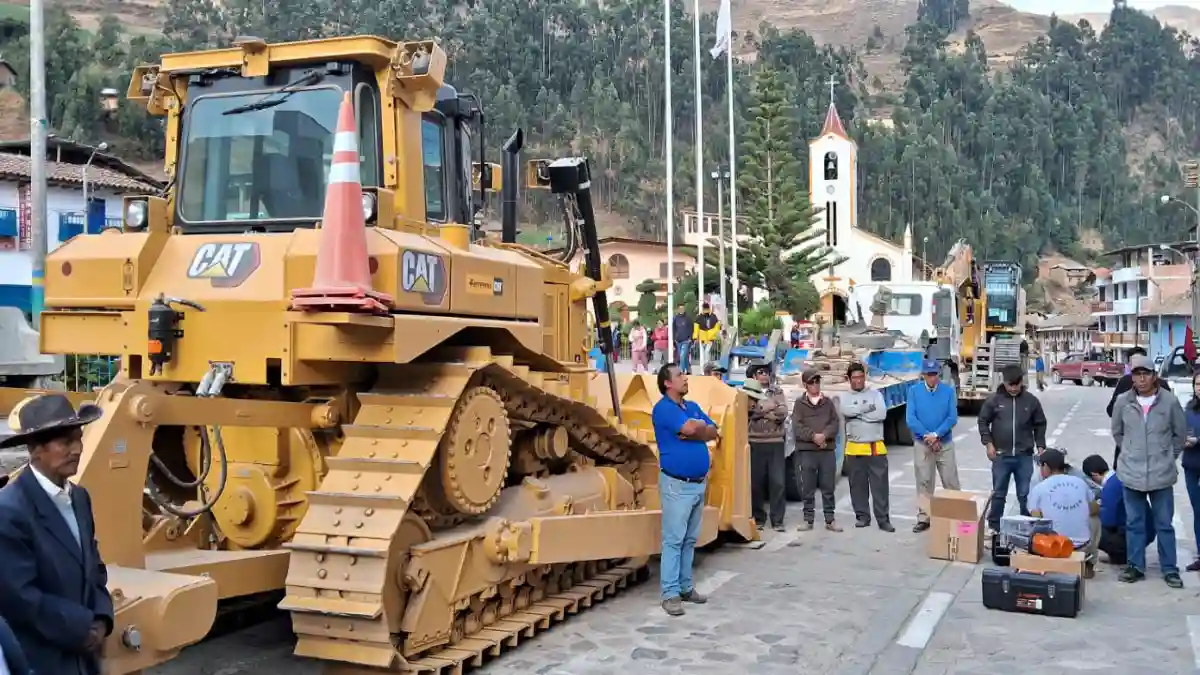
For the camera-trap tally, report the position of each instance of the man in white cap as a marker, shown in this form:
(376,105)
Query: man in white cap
(1151,428)
(768,412)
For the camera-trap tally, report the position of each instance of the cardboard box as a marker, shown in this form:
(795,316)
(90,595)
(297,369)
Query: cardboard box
(1023,560)
(1028,562)
(956,525)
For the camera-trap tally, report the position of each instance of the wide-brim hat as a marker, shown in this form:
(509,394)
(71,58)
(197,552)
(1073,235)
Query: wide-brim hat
(753,389)
(45,414)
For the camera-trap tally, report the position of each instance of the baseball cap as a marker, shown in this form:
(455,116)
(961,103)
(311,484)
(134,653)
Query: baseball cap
(930,366)
(1141,362)
(1055,459)
(810,375)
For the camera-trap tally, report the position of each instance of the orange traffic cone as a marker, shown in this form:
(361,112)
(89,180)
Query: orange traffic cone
(342,280)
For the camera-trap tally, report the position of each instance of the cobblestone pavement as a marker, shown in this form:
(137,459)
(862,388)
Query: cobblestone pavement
(860,602)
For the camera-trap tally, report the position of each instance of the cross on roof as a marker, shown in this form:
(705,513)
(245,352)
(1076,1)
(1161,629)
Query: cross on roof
(832,84)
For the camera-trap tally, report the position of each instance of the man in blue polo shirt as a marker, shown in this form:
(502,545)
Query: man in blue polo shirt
(682,432)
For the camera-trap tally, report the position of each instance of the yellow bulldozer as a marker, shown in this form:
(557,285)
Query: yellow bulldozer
(424,487)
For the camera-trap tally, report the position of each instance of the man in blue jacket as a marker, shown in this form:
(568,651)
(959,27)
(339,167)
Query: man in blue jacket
(1112,510)
(932,412)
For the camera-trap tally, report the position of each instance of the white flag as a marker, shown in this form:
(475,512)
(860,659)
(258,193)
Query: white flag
(724,30)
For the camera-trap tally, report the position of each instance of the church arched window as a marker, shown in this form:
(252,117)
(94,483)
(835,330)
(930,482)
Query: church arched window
(831,166)
(881,269)
(618,266)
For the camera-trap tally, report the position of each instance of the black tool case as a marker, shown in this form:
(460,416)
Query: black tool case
(1045,593)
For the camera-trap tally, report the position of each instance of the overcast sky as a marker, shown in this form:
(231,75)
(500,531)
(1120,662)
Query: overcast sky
(1072,6)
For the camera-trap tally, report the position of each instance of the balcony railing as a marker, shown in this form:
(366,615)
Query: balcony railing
(1101,306)
(1128,339)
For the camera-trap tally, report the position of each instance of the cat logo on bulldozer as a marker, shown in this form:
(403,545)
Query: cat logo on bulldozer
(423,274)
(225,265)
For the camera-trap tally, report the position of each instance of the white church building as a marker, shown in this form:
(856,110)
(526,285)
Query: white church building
(833,188)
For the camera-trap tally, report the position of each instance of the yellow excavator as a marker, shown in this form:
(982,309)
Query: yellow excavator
(424,487)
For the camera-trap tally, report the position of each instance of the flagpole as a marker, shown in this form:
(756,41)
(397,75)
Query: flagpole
(701,222)
(732,172)
(669,131)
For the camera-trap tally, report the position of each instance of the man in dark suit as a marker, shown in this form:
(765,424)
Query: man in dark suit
(53,584)
(11,654)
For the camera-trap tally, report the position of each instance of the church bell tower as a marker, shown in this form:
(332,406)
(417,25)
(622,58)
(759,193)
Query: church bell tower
(833,166)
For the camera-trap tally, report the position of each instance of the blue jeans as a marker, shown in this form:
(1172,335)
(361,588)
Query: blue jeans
(1157,507)
(682,511)
(683,354)
(1191,478)
(1004,469)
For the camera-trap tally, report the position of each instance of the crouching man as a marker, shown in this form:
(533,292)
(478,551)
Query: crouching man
(1068,503)
(1112,510)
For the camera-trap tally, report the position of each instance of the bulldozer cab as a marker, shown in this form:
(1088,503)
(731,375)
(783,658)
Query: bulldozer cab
(256,142)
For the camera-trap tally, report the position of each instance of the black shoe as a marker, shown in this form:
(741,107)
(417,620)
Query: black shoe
(778,527)
(1195,566)
(1173,580)
(887,527)
(920,527)
(1131,575)
(862,522)
(760,528)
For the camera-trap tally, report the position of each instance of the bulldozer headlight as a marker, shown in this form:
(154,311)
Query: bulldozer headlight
(135,215)
(368,208)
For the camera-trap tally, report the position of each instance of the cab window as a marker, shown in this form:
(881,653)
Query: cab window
(366,109)
(432,144)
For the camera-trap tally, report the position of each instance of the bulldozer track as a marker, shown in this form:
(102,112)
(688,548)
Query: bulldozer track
(346,587)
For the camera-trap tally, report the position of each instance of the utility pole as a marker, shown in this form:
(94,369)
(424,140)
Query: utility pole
(37,151)
(1191,179)
(719,176)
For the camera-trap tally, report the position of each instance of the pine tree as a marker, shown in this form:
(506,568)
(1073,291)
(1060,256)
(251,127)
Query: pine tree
(783,248)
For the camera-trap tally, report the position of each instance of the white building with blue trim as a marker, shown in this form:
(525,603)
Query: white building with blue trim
(108,178)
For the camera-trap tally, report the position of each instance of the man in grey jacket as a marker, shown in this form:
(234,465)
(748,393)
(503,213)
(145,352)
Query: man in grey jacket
(1149,425)
(863,412)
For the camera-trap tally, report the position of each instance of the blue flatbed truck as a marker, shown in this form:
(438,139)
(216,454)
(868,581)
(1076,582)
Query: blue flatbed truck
(892,372)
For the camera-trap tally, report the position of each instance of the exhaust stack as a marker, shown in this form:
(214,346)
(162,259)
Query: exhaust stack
(510,172)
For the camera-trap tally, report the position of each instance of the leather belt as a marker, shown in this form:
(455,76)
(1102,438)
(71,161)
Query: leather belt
(668,474)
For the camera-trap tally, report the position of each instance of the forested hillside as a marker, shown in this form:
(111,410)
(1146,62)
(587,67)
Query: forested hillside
(1080,135)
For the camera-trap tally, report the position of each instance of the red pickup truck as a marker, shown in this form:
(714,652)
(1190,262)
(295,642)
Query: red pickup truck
(1079,369)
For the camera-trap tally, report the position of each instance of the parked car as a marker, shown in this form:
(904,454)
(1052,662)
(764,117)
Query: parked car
(1176,371)
(1081,370)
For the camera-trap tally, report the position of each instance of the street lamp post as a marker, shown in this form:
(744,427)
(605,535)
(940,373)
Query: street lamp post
(1192,180)
(87,206)
(99,148)
(720,175)
(924,263)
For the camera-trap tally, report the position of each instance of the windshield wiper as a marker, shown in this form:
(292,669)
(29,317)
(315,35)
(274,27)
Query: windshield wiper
(279,96)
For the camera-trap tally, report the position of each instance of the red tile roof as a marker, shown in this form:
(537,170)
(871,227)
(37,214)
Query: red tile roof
(833,123)
(14,166)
